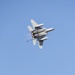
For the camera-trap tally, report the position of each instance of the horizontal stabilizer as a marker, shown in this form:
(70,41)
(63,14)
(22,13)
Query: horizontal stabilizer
(34,41)
(40,44)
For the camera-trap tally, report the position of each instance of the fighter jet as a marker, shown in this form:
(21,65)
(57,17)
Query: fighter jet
(38,33)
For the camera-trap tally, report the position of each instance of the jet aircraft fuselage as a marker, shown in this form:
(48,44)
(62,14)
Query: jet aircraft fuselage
(38,33)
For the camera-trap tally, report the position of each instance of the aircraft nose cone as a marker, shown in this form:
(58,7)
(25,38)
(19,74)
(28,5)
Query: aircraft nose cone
(53,29)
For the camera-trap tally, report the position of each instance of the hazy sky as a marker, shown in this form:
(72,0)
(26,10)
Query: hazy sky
(18,57)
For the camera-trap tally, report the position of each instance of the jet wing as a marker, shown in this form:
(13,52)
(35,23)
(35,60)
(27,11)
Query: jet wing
(35,25)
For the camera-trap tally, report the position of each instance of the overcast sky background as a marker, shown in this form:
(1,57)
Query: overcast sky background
(18,57)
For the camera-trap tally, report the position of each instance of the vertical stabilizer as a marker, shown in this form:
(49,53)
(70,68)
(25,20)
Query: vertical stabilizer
(34,24)
(30,28)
